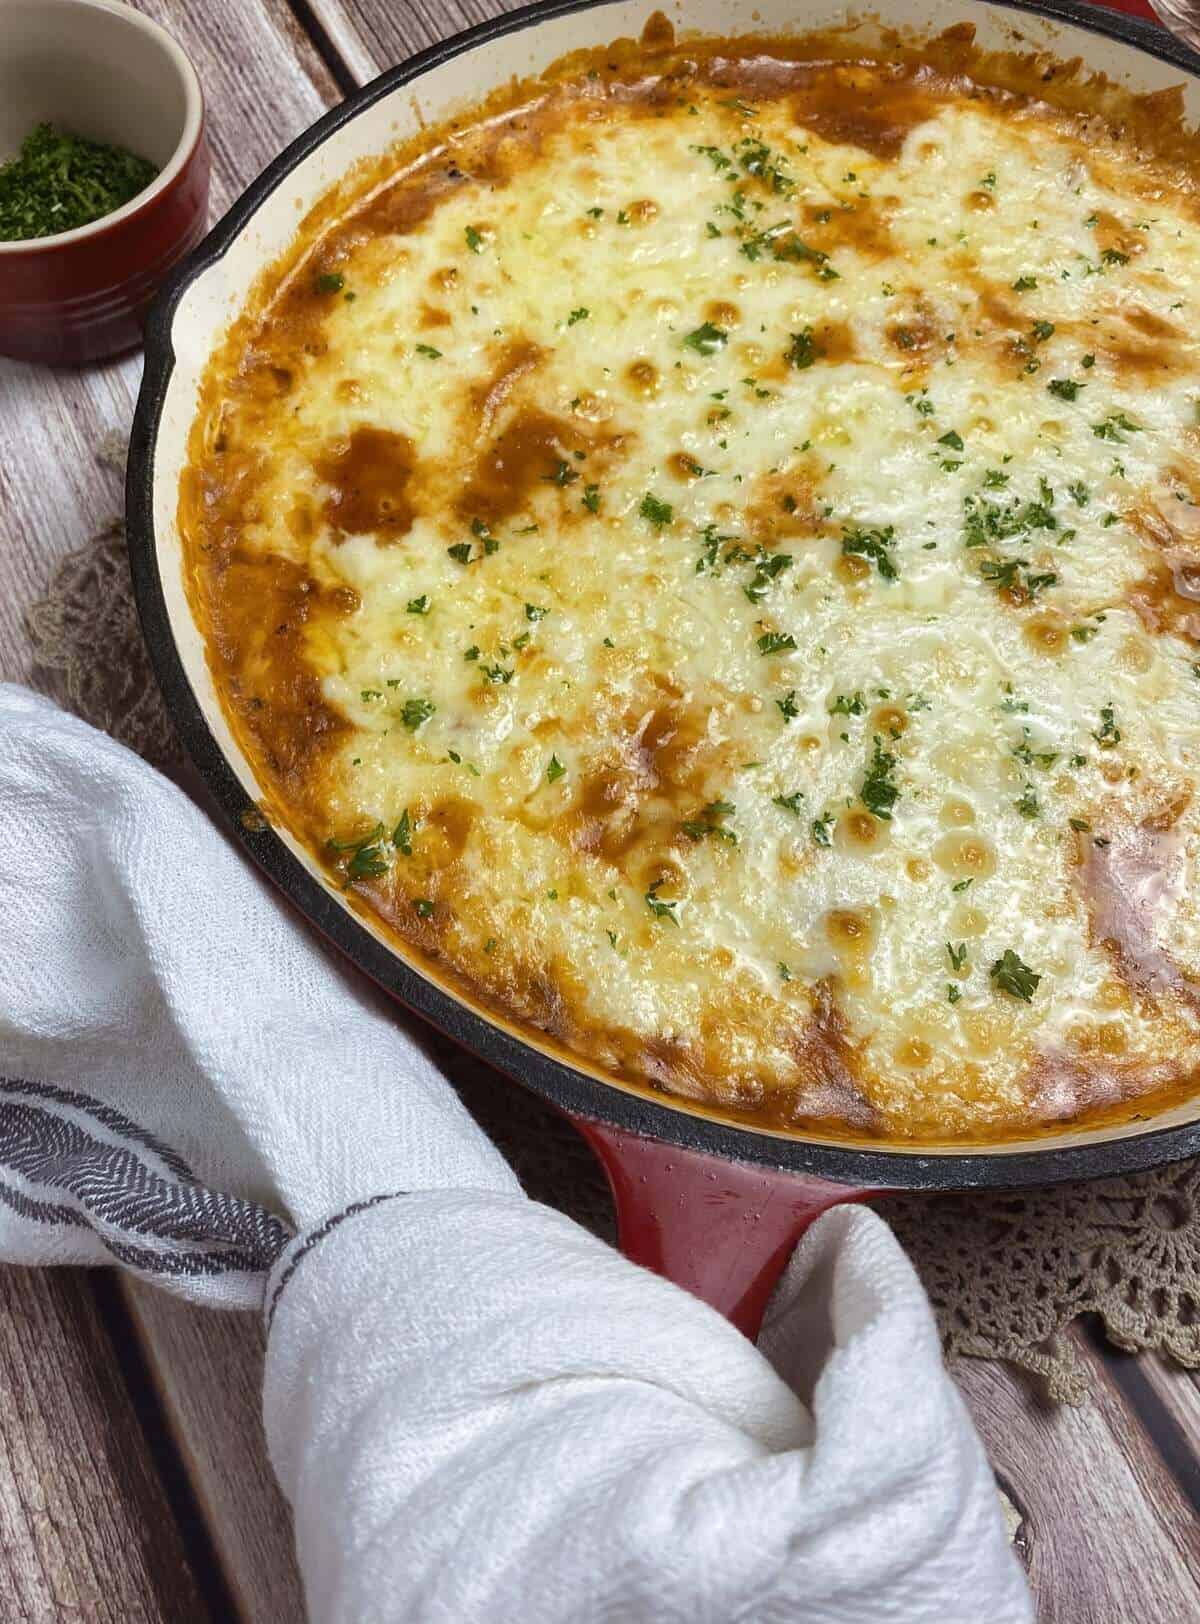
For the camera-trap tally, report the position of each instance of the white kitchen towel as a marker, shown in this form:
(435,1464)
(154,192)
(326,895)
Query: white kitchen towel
(478,1411)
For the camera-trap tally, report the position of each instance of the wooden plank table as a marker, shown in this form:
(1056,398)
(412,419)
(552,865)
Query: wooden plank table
(133,1477)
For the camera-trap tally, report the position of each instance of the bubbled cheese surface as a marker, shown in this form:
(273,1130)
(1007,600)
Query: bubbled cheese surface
(736,611)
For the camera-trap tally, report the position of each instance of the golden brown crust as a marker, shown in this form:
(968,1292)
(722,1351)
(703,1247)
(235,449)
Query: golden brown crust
(666,759)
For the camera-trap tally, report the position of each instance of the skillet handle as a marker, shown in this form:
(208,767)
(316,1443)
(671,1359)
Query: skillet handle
(722,1230)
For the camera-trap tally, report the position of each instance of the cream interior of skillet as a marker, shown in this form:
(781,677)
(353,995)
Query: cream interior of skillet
(710,551)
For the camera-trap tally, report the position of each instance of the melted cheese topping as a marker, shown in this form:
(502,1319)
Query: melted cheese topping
(712,557)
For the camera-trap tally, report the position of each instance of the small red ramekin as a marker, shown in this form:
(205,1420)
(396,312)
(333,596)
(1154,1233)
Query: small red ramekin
(99,69)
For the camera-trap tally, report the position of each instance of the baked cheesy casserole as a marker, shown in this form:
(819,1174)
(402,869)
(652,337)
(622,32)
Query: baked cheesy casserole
(706,549)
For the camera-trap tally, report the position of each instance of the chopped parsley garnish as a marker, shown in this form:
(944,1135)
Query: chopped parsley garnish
(659,908)
(1108,735)
(784,973)
(428,350)
(1027,804)
(953,993)
(776,642)
(424,907)
(953,439)
(708,825)
(756,159)
(367,863)
(1030,757)
(474,240)
(497,675)
(419,606)
(330,282)
(706,339)
(1079,493)
(460,552)
(1111,427)
(767,569)
(820,829)
(483,534)
(555,770)
(563,474)
(957,955)
(849,705)
(879,792)
(532,612)
(961,885)
(802,351)
(1004,575)
(1080,825)
(402,834)
(471,653)
(875,545)
(1042,330)
(789,803)
(591,498)
(1114,256)
(1009,974)
(416,713)
(659,513)
(1024,284)
(787,706)
(1065,388)
(581,314)
(986,522)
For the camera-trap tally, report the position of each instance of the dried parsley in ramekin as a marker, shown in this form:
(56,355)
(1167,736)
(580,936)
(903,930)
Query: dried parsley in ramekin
(59,181)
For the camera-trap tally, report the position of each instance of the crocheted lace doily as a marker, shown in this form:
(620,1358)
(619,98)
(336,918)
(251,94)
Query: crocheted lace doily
(1006,1273)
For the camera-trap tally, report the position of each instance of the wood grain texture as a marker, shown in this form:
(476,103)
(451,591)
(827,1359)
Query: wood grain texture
(1106,1534)
(370,37)
(85,1529)
(208,1371)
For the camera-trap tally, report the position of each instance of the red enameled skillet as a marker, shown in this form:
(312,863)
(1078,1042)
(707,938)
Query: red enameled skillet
(715,1206)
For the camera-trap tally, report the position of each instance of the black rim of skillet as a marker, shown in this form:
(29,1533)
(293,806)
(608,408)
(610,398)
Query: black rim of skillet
(572,1090)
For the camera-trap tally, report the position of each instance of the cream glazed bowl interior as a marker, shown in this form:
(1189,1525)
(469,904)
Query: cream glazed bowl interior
(188,323)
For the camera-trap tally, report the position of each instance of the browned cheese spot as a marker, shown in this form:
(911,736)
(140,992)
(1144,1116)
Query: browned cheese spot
(1167,597)
(1048,633)
(644,378)
(261,606)
(488,397)
(864,106)
(786,504)
(369,476)
(827,1067)
(917,336)
(629,806)
(863,226)
(1129,881)
(529,454)
(1061,1086)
